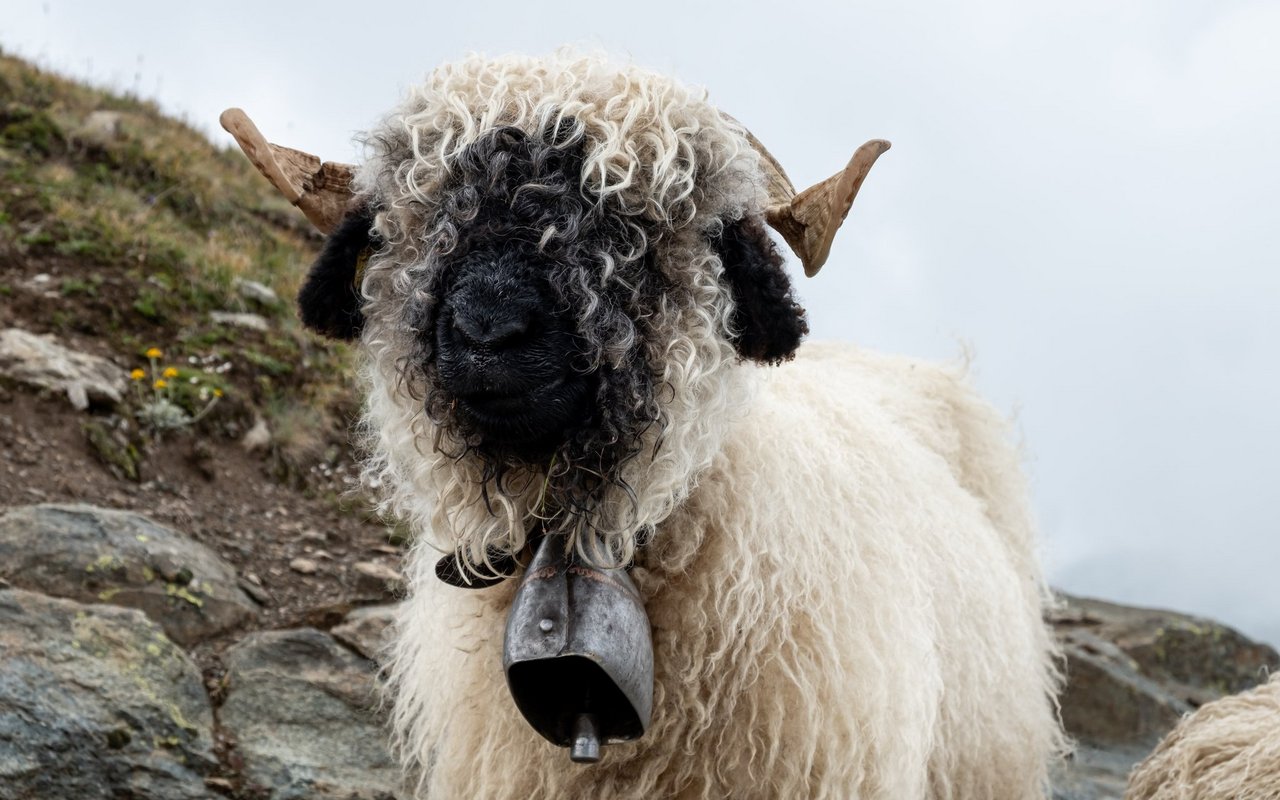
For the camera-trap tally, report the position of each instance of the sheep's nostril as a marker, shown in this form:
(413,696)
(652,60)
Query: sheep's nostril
(490,331)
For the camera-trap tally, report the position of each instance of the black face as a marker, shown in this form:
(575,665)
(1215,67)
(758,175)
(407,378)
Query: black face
(526,352)
(507,353)
(531,312)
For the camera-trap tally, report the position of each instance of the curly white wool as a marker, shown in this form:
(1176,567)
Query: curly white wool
(841,577)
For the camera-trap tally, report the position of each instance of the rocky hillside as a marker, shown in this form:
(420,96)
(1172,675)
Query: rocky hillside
(192,591)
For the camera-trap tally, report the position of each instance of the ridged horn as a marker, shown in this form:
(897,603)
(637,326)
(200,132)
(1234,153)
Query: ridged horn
(320,189)
(809,220)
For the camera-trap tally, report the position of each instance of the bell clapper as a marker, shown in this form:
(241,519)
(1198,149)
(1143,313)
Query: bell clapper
(586,740)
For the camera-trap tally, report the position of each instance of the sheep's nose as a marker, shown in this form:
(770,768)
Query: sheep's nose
(492,329)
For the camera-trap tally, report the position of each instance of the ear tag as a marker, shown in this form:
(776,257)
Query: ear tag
(361,261)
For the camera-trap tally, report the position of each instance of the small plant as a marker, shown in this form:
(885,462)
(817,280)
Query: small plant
(160,409)
(148,304)
(73,286)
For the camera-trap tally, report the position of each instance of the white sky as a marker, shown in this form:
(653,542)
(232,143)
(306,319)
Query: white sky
(1084,193)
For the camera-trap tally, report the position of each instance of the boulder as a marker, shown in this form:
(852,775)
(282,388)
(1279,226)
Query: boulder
(1198,659)
(41,362)
(367,630)
(300,711)
(1109,701)
(96,703)
(100,555)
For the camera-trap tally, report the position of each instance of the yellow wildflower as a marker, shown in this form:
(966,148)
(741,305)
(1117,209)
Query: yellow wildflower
(138,374)
(154,352)
(161,384)
(170,372)
(217,393)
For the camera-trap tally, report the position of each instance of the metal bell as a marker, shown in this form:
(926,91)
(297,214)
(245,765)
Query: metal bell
(578,654)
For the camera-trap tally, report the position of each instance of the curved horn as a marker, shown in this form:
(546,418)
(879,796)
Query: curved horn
(809,220)
(321,189)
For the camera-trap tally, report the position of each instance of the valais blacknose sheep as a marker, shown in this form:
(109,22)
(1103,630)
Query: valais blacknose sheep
(574,323)
(1227,750)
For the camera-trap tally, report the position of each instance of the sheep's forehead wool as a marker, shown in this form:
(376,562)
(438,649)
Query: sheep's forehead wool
(656,148)
(666,170)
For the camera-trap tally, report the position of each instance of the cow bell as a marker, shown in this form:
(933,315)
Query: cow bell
(578,653)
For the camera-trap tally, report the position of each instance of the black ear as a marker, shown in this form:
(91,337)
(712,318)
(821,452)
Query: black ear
(329,301)
(768,324)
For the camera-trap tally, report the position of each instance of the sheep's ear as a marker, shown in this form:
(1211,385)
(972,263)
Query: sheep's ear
(329,301)
(768,323)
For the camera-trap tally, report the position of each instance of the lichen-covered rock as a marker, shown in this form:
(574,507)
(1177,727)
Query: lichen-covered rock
(100,555)
(42,362)
(1202,660)
(300,711)
(96,703)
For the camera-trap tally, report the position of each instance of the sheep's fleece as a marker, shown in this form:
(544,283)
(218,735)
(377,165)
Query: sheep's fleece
(1227,750)
(835,552)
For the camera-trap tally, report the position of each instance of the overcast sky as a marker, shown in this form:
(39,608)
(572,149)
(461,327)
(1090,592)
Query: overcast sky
(1084,194)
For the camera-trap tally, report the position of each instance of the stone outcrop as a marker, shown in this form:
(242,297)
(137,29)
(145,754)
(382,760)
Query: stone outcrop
(98,555)
(97,703)
(300,711)
(43,363)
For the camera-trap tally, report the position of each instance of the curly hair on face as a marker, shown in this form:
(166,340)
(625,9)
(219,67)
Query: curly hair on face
(514,200)
(617,217)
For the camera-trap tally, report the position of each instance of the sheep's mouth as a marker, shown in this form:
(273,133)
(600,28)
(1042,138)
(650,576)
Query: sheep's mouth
(532,421)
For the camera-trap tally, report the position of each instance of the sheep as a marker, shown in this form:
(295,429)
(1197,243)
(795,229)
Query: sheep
(1227,750)
(573,319)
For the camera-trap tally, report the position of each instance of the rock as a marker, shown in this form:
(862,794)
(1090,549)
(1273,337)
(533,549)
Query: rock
(96,704)
(41,362)
(1095,774)
(101,127)
(1108,701)
(258,437)
(1201,660)
(254,322)
(367,630)
(255,590)
(300,708)
(100,555)
(114,450)
(378,577)
(257,292)
(305,566)
(1131,674)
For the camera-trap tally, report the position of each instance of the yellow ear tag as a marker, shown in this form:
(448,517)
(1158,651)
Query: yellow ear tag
(361,261)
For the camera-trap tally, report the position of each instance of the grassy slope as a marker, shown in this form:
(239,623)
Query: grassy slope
(144,232)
